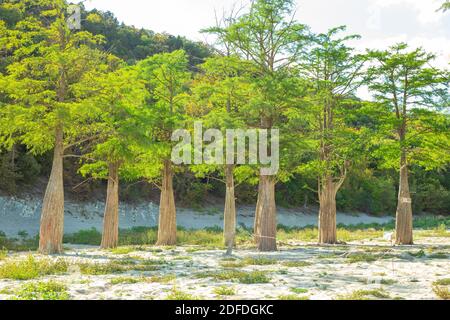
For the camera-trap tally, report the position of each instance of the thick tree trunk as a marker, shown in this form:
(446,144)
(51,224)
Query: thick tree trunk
(267,213)
(167,230)
(404,217)
(110,236)
(327,211)
(229,221)
(52,216)
(257,222)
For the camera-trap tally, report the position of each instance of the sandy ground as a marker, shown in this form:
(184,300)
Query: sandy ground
(24,214)
(328,274)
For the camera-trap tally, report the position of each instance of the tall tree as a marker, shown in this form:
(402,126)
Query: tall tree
(334,73)
(166,77)
(49,59)
(407,85)
(118,100)
(220,94)
(268,36)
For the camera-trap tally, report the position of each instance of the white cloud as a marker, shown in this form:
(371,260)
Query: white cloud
(426,9)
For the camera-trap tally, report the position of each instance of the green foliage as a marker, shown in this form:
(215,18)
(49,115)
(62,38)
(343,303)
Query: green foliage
(442,282)
(49,60)
(411,89)
(333,73)
(238,276)
(31,268)
(118,99)
(366,257)
(85,237)
(111,110)
(125,280)
(299,290)
(134,44)
(3,254)
(296,264)
(224,291)
(365,295)
(259,261)
(445,6)
(50,290)
(176,294)
(442,292)
(96,269)
(122,250)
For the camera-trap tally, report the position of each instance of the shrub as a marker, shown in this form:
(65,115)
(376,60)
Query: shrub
(296,264)
(50,290)
(442,292)
(96,269)
(31,268)
(442,282)
(125,280)
(224,291)
(3,254)
(365,295)
(299,290)
(176,294)
(259,261)
(86,237)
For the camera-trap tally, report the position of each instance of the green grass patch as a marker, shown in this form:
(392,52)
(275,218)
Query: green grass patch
(237,276)
(119,266)
(232,264)
(176,294)
(224,291)
(259,261)
(31,268)
(3,254)
(50,290)
(417,254)
(438,255)
(126,280)
(388,282)
(162,279)
(293,297)
(356,257)
(442,292)
(96,269)
(296,264)
(299,290)
(442,282)
(122,250)
(365,295)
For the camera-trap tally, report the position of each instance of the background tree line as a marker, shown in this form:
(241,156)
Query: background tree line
(100,103)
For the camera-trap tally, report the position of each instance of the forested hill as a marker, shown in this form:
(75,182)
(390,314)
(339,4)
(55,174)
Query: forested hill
(370,187)
(126,42)
(132,44)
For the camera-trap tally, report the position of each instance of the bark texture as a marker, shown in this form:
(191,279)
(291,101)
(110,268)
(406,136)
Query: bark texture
(267,215)
(110,236)
(229,221)
(257,222)
(327,211)
(52,216)
(167,230)
(404,216)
